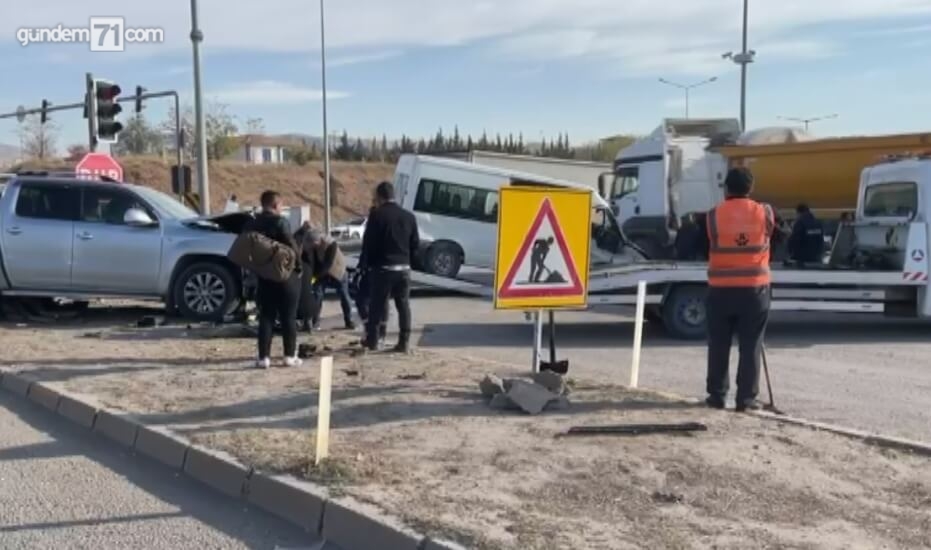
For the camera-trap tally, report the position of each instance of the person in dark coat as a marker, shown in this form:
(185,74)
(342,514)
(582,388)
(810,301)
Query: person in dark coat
(364,293)
(391,240)
(277,300)
(806,243)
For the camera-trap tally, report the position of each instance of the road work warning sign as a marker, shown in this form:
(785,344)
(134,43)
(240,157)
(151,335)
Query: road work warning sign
(544,239)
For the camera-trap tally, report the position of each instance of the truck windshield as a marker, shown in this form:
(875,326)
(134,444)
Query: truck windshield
(895,200)
(166,204)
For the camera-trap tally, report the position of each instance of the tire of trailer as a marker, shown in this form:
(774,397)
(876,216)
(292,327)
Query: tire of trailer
(684,314)
(444,259)
(205,291)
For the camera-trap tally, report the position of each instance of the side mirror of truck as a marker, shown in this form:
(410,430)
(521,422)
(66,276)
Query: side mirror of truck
(604,184)
(137,218)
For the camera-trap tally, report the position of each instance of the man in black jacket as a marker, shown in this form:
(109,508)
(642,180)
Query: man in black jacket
(364,291)
(388,247)
(806,243)
(277,300)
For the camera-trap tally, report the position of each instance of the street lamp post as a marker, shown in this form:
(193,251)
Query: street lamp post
(808,121)
(744,58)
(203,186)
(688,88)
(326,135)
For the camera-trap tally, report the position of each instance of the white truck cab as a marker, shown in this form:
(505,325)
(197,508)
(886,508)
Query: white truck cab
(666,175)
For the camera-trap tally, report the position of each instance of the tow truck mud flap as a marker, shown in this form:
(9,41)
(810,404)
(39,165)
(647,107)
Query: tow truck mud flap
(684,313)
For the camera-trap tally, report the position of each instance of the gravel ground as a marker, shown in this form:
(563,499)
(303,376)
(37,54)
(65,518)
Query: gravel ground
(430,450)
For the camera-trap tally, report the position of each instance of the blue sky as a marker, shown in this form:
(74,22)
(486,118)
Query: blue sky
(588,67)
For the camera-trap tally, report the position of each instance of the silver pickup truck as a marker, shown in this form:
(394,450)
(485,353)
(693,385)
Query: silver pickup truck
(62,237)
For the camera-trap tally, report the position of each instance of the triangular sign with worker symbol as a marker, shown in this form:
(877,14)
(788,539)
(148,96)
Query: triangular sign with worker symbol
(543,266)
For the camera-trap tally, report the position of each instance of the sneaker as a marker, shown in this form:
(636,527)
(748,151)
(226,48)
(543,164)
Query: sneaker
(316,326)
(402,348)
(350,326)
(715,402)
(263,363)
(749,406)
(293,361)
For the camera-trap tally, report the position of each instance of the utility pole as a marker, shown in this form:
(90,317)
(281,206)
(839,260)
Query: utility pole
(688,88)
(203,185)
(744,58)
(327,221)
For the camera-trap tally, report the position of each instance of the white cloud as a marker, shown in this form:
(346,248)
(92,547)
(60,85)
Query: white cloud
(357,59)
(263,92)
(631,36)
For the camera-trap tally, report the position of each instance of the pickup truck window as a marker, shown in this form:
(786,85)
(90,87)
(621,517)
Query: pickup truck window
(49,201)
(109,206)
(895,200)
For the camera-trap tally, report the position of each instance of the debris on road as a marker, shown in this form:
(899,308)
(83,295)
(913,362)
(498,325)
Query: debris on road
(638,429)
(547,391)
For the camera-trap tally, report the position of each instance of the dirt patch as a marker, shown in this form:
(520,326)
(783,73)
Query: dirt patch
(353,182)
(431,451)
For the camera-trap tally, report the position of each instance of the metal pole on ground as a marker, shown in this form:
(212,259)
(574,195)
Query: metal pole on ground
(638,334)
(537,341)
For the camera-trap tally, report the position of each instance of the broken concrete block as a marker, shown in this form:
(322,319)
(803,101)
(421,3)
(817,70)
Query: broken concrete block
(551,381)
(531,398)
(491,385)
(501,402)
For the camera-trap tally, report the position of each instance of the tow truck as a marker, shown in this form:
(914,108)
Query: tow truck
(878,263)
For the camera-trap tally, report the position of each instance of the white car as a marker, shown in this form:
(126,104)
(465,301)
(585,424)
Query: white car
(351,230)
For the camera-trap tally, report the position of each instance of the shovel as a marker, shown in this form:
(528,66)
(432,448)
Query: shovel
(771,406)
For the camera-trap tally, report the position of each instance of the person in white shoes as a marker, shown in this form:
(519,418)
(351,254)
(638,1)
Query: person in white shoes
(277,301)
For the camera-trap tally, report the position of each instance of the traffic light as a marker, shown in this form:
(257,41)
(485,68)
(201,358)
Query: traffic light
(44,113)
(139,91)
(104,108)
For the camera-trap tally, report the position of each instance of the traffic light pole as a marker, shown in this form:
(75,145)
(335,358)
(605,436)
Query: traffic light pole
(21,113)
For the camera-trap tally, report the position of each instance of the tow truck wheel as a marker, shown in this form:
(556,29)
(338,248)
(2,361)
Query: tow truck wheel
(684,314)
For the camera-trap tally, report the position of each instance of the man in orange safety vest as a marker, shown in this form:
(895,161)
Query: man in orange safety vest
(739,233)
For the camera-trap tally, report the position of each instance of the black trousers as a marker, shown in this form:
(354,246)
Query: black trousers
(278,301)
(389,284)
(364,303)
(743,312)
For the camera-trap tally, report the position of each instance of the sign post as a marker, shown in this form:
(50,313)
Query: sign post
(543,258)
(95,165)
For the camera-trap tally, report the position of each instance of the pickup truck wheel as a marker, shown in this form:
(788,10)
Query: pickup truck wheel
(684,313)
(205,292)
(444,260)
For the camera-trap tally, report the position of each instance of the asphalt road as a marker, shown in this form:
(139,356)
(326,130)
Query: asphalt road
(865,373)
(62,488)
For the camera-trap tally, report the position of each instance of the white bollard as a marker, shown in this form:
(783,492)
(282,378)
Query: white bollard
(323,409)
(638,334)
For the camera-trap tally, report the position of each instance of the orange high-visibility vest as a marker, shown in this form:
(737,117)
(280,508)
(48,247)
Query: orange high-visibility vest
(739,231)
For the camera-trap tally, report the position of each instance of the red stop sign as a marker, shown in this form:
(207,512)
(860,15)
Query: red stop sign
(94,165)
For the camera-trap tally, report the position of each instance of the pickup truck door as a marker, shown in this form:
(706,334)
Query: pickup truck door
(38,223)
(110,256)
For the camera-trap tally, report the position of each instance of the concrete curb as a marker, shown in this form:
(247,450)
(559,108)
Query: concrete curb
(43,395)
(162,445)
(16,384)
(888,442)
(351,524)
(116,427)
(218,470)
